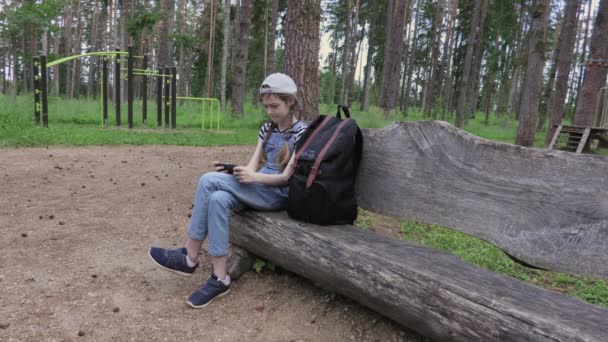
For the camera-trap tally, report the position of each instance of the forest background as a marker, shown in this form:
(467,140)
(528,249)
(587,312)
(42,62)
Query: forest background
(510,59)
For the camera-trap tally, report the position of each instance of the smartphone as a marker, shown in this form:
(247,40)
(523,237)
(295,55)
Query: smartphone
(227,167)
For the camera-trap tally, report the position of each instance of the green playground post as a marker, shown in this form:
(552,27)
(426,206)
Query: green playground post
(211,103)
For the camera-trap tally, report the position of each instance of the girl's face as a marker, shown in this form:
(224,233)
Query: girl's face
(278,110)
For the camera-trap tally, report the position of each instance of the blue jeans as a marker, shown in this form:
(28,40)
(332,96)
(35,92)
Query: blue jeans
(217,194)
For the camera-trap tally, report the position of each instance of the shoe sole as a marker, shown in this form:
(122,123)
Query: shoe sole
(209,302)
(166,268)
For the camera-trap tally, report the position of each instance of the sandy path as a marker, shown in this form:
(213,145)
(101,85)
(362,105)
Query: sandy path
(75,225)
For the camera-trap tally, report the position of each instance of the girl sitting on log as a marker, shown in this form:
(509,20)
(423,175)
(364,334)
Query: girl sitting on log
(261,185)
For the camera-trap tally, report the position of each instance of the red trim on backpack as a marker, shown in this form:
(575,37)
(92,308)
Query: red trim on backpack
(309,139)
(315,168)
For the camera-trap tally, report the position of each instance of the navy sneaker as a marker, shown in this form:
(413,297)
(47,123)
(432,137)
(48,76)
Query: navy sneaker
(173,260)
(211,290)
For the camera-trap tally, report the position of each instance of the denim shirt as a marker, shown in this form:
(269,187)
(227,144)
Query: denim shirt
(275,143)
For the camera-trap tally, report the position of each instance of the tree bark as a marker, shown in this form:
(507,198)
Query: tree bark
(534,72)
(393,49)
(92,84)
(181,83)
(468,59)
(412,61)
(67,37)
(424,289)
(302,53)
(225,53)
(536,202)
(165,44)
(75,83)
(490,83)
(56,49)
(595,77)
(366,79)
(346,51)
(548,96)
(333,67)
(240,52)
(583,58)
(447,59)
(433,79)
(564,62)
(473,91)
(272,34)
(211,48)
(354,55)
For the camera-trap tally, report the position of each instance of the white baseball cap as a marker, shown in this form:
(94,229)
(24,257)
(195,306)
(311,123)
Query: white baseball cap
(279,83)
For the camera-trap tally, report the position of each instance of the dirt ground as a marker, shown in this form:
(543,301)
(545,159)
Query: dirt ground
(75,228)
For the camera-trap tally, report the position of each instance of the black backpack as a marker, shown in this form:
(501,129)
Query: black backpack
(327,157)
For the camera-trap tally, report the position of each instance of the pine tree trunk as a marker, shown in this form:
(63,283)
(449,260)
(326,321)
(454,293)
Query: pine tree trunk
(564,62)
(583,58)
(67,37)
(14,83)
(391,70)
(447,57)
(473,91)
(345,52)
(433,72)
(405,56)
(302,43)
(240,52)
(354,54)
(92,88)
(211,48)
(75,90)
(181,85)
(3,73)
(56,82)
(539,12)
(225,54)
(272,36)
(334,60)
(468,59)
(490,85)
(366,79)
(166,28)
(548,96)
(594,77)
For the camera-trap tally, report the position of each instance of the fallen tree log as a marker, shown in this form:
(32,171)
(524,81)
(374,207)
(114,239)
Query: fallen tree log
(432,292)
(546,208)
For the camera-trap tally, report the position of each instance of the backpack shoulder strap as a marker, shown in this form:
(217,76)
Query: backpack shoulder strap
(315,168)
(358,150)
(309,139)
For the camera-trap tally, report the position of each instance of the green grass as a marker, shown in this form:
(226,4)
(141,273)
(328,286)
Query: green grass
(78,122)
(485,255)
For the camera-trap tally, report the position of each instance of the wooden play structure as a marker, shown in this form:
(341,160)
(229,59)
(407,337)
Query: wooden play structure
(548,209)
(578,138)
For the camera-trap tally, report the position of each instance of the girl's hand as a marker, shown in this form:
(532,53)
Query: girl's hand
(245,175)
(217,166)
(221,167)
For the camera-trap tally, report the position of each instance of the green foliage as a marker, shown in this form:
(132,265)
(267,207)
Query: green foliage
(143,21)
(260,264)
(485,255)
(189,41)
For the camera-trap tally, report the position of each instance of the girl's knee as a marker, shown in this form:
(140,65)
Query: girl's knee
(207,180)
(221,198)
